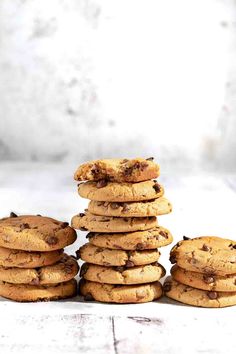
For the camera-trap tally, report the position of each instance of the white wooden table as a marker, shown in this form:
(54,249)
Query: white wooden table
(203,205)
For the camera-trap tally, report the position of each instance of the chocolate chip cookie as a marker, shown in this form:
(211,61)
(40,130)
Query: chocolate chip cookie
(122,294)
(107,257)
(97,223)
(139,240)
(35,233)
(118,170)
(120,192)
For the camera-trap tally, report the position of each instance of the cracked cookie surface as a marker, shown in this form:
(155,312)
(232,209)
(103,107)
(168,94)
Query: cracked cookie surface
(97,223)
(62,271)
(159,206)
(25,259)
(202,281)
(35,233)
(139,240)
(121,192)
(122,275)
(196,297)
(118,170)
(122,294)
(107,257)
(28,293)
(207,254)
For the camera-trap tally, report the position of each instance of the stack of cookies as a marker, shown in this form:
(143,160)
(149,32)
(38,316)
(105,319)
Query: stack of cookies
(205,272)
(121,255)
(33,266)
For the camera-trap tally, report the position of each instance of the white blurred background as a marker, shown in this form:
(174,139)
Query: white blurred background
(83,79)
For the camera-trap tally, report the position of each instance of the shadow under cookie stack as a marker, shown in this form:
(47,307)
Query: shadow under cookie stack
(33,265)
(205,272)
(122,253)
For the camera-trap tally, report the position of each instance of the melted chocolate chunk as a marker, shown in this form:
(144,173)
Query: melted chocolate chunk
(95,170)
(81,214)
(114,205)
(24,226)
(164,234)
(206,248)
(140,246)
(172,259)
(51,240)
(129,264)
(102,183)
(125,207)
(208,279)
(157,188)
(212,295)
(233,247)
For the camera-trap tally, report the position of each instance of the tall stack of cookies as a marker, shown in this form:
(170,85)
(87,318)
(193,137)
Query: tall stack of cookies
(204,273)
(33,266)
(122,253)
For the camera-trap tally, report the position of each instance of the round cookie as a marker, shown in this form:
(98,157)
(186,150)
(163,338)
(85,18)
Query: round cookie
(139,240)
(28,293)
(26,259)
(207,254)
(62,271)
(120,192)
(118,170)
(107,257)
(35,233)
(122,294)
(122,275)
(204,281)
(196,297)
(159,206)
(99,223)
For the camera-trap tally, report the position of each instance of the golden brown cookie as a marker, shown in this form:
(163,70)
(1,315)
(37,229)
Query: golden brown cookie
(28,293)
(122,275)
(60,272)
(204,281)
(155,207)
(107,257)
(122,294)
(35,233)
(139,240)
(196,297)
(207,254)
(97,223)
(120,192)
(118,170)
(26,259)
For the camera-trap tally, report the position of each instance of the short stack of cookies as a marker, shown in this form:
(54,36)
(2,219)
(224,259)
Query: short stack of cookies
(205,272)
(122,253)
(33,266)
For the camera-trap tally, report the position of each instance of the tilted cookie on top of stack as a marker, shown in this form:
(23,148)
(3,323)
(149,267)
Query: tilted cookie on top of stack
(33,266)
(121,255)
(205,272)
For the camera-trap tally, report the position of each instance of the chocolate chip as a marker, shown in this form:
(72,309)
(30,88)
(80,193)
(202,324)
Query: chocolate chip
(128,171)
(115,205)
(90,235)
(150,159)
(83,229)
(78,256)
(88,297)
(35,281)
(167,287)
(102,183)
(173,259)
(119,269)
(164,234)
(129,264)
(140,246)
(185,238)
(125,207)
(64,225)
(84,269)
(206,248)
(212,295)
(208,279)
(13,215)
(51,240)
(233,247)
(95,170)
(38,215)
(157,187)
(81,214)
(24,226)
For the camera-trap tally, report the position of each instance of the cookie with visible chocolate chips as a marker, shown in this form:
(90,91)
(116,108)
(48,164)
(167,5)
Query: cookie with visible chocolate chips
(155,207)
(35,233)
(26,259)
(139,240)
(107,257)
(97,223)
(210,282)
(196,297)
(34,293)
(122,275)
(121,192)
(64,270)
(122,294)
(118,170)
(206,254)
